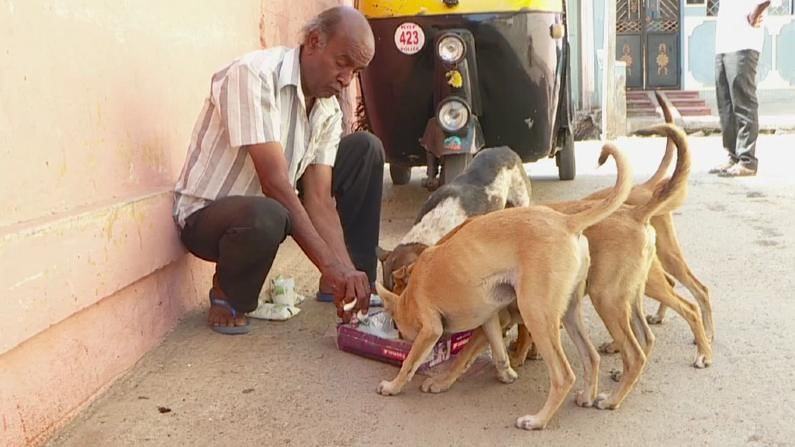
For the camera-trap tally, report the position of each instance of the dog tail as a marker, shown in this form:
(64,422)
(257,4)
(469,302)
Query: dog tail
(659,175)
(665,163)
(673,190)
(602,208)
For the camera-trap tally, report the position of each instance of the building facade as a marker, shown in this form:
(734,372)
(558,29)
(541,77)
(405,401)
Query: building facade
(667,44)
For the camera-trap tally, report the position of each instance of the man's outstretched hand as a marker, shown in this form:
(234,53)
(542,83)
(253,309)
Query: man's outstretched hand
(347,285)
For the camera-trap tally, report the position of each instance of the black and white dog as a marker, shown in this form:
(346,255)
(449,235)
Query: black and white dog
(495,179)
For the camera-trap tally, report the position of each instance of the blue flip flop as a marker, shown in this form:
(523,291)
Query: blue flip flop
(229,330)
(324,297)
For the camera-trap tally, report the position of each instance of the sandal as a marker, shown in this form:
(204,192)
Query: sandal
(229,330)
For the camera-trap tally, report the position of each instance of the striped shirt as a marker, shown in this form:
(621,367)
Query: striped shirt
(255,99)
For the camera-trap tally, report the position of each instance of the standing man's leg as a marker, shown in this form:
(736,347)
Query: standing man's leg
(241,235)
(742,82)
(357,185)
(728,124)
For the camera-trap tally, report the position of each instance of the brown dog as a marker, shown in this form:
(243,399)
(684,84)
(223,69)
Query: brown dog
(672,260)
(669,251)
(475,272)
(622,249)
(623,265)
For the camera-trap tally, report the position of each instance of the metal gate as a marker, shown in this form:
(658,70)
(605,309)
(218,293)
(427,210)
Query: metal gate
(647,41)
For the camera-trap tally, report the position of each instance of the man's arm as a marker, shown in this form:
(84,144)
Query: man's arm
(322,210)
(271,167)
(757,15)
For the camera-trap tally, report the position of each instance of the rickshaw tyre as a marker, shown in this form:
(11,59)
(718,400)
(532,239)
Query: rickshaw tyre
(400,174)
(567,166)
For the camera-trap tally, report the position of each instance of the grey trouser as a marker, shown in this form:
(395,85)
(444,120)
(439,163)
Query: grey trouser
(735,86)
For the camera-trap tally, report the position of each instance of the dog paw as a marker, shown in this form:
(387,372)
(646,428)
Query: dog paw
(431,385)
(530,422)
(615,374)
(602,402)
(608,348)
(654,319)
(387,388)
(583,400)
(507,375)
(701,361)
(516,360)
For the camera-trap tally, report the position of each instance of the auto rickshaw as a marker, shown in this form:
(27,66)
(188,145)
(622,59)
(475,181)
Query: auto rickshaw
(450,77)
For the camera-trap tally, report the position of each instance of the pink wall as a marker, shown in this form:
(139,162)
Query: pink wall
(98,102)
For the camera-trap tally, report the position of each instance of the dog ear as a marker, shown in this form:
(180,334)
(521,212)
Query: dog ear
(400,273)
(403,272)
(382,254)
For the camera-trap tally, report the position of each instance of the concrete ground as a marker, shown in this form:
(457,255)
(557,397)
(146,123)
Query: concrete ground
(286,383)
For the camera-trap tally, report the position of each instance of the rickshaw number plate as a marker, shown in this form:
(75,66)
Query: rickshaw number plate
(409,38)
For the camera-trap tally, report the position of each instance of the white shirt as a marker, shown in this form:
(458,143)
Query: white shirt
(734,33)
(255,99)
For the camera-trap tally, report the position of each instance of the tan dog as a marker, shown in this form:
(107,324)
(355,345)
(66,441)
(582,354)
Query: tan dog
(669,251)
(623,265)
(475,272)
(657,285)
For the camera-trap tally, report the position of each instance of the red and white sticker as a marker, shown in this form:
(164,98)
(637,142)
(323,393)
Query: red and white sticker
(409,38)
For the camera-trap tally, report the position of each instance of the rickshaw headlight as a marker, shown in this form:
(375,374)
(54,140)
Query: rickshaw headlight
(451,48)
(453,115)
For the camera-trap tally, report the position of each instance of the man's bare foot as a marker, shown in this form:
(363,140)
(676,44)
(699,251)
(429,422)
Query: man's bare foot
(222,316)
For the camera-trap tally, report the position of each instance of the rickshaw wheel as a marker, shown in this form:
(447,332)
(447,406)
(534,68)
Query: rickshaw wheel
(452,165)
(400,174)
(567,168)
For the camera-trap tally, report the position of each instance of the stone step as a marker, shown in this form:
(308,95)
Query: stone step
(687,101)
(642,110)
(632,113)
(638,96)
(643,105)
(695,111)
(682,94)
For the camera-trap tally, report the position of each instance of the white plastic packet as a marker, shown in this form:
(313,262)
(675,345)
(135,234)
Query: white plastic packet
(283,291)
(273,311)
(379,324)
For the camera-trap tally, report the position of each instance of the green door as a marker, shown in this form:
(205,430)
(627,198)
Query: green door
(647,40)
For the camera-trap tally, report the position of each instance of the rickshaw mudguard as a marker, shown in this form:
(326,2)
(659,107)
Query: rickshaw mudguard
(518,71)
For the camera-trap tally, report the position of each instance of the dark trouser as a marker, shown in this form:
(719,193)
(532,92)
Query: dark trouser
(735,86)
(242,234)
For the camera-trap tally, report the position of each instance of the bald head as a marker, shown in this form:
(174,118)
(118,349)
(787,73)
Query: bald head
(336,44)
(340,21)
